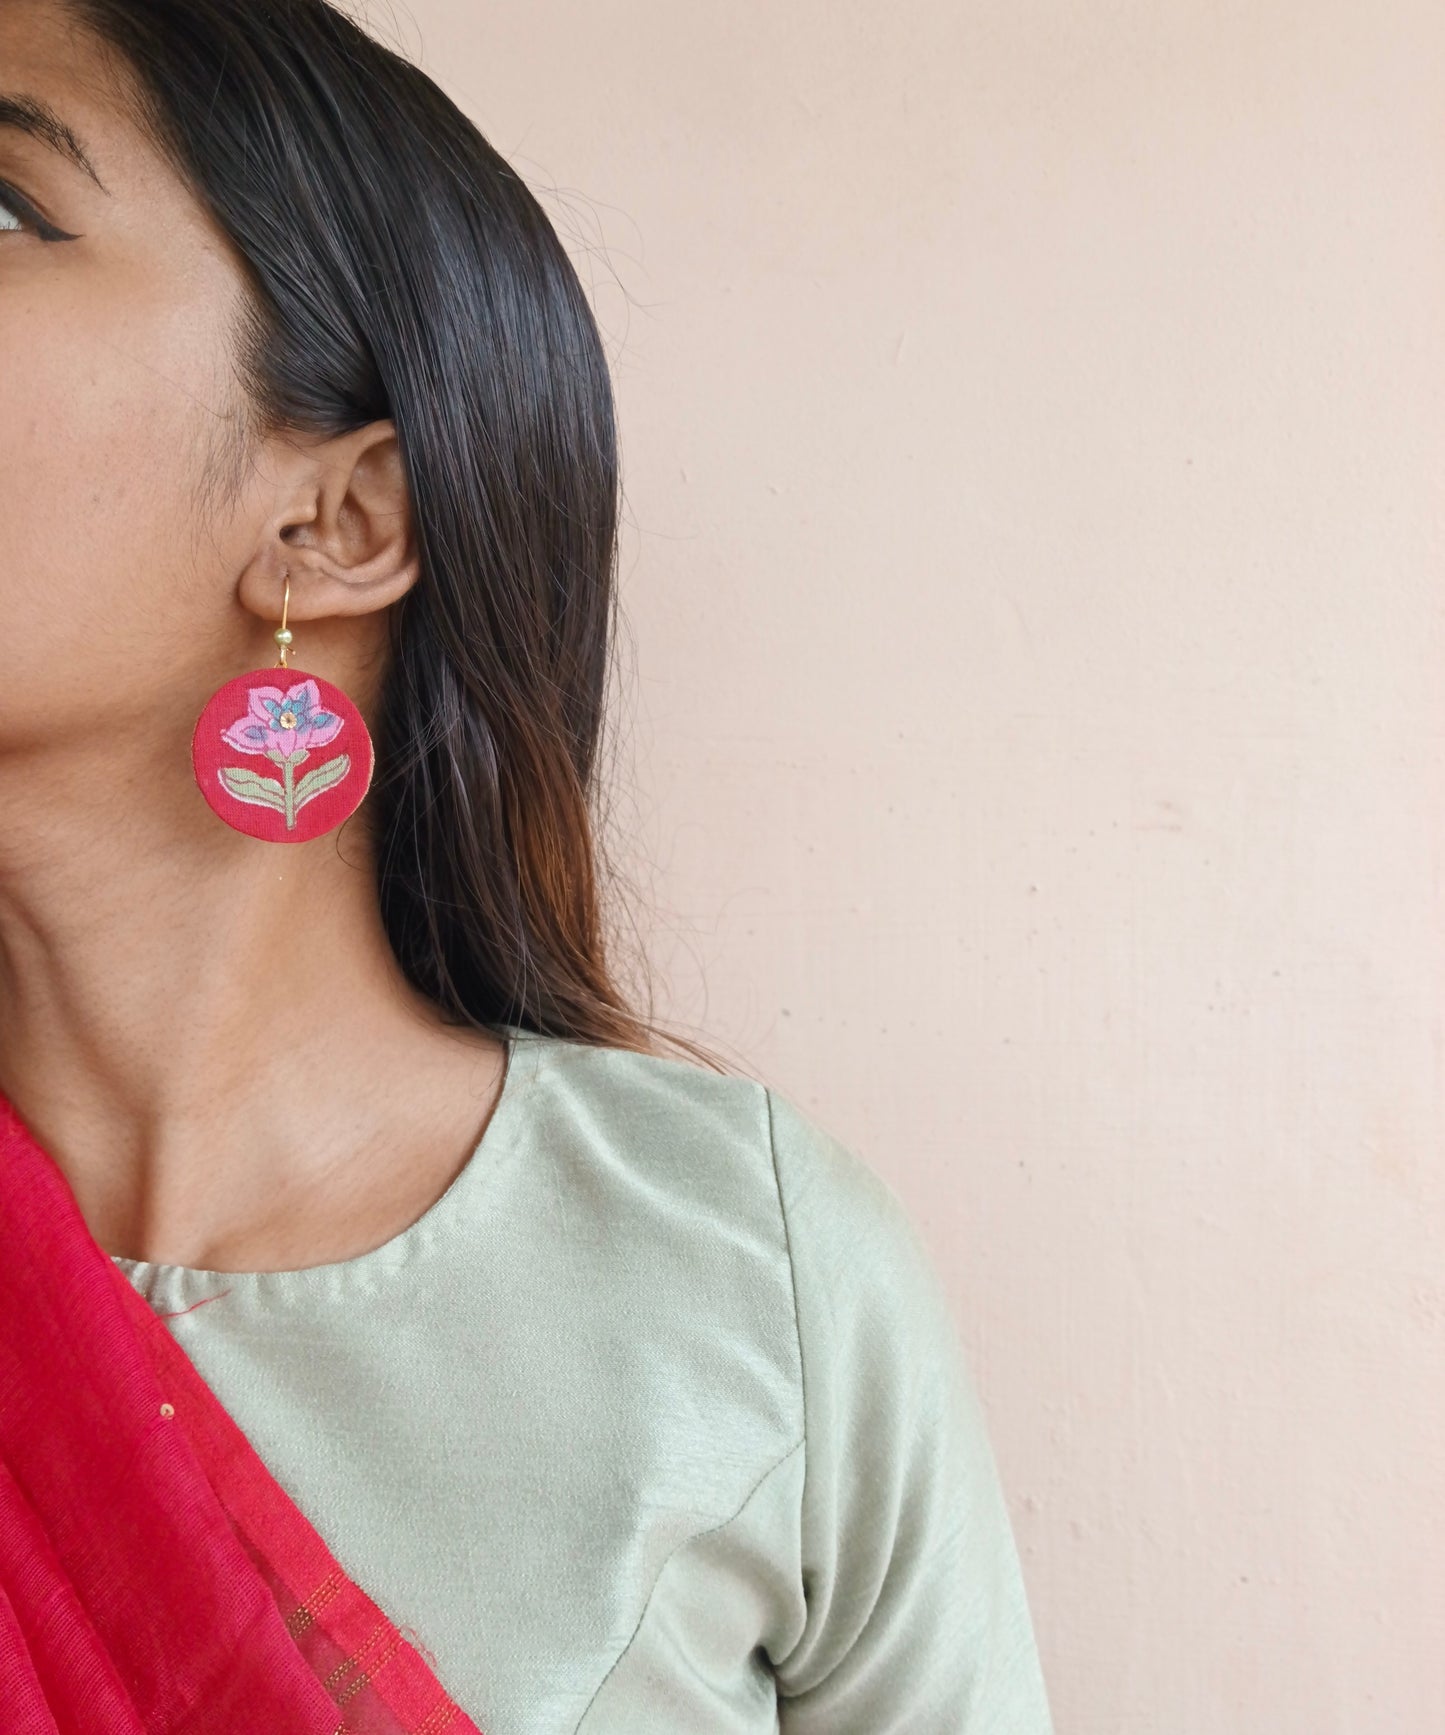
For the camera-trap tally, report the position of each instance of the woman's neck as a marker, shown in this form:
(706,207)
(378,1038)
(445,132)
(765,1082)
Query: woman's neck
(215,1044)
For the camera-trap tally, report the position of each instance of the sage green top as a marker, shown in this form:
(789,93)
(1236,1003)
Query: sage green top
(655,1423)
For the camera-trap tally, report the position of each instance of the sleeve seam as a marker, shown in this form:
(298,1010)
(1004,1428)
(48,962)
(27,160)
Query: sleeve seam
(685,1542)
(793,1285)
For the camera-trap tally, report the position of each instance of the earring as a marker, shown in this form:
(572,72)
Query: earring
(287,724)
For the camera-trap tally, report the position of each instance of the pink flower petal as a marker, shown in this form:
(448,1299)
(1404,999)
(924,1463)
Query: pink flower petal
(320,733)
(257,707)
(246,736)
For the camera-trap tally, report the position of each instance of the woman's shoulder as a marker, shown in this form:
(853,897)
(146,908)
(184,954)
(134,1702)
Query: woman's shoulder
(678,1122)
(658,1122)
(645,1090)
(738,1162)
(902,1535)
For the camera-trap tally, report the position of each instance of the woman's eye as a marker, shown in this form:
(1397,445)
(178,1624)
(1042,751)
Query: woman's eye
(14,212)
(18,214)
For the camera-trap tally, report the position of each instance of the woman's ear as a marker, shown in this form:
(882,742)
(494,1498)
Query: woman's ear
(343,530)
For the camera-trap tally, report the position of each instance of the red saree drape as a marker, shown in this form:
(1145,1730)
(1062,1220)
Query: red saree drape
(155,1579)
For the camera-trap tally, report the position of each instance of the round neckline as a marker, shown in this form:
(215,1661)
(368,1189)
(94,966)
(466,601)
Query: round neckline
(496,1136)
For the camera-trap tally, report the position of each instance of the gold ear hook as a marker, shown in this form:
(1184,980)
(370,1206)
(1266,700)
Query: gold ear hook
(282,635)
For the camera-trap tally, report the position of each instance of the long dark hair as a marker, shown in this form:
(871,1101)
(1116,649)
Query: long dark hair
(398,267)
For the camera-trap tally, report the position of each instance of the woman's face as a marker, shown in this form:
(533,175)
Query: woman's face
(117,585)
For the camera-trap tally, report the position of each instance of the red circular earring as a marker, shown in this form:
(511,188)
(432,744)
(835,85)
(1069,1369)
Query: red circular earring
(287,723)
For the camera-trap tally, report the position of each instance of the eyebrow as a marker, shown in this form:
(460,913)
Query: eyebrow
(28,114)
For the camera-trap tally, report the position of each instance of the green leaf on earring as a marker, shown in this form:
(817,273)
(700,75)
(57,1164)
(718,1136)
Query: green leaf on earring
(322,778)
(248,786)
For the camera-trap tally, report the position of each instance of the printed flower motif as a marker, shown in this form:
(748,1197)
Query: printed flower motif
(283,723)
(283,726)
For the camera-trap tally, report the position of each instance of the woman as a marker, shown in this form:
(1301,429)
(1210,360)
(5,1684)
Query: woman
(394,1338)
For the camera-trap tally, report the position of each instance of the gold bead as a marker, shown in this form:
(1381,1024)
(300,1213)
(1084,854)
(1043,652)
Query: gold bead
(282,635)
(166,1410)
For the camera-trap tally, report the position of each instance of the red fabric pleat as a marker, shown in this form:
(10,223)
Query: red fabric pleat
(155,1578)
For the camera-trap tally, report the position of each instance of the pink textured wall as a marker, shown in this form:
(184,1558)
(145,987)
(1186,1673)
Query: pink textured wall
(1033,426)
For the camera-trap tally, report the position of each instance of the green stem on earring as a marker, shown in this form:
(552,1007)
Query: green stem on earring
(290,785)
